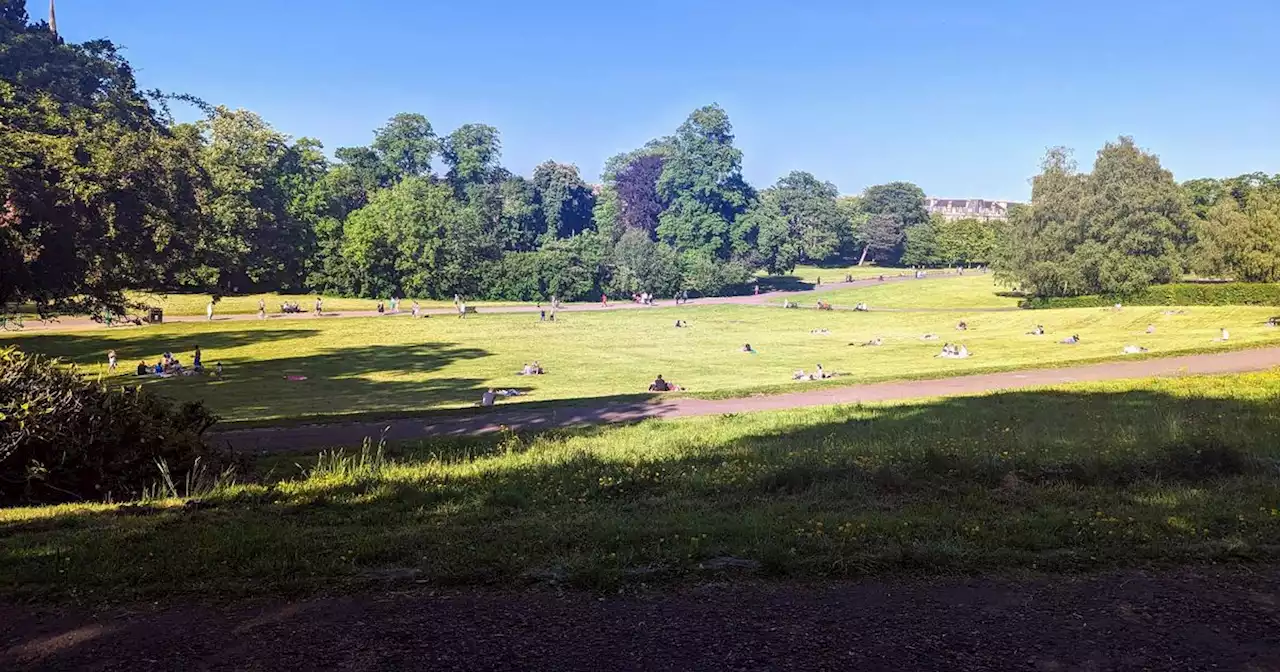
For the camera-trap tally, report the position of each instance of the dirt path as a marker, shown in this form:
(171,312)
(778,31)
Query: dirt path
(1181,620)
(476,422)
(84,323)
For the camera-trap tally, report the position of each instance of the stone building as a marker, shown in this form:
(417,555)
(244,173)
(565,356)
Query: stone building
(967,208)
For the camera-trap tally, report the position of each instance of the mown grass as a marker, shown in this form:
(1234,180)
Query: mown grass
(973,290)
(390,365)
(809,274)
(195,304)
(1086,477)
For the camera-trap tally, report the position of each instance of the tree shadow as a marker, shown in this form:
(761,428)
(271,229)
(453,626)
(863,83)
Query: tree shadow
(92,347)
(1032,466)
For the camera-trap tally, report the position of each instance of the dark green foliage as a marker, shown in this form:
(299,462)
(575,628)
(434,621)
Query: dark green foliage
(1176,294)
(66,438)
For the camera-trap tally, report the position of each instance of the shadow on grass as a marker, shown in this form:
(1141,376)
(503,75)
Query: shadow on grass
(1052,481)
(87,347)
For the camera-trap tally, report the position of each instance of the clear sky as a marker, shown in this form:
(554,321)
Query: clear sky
(960,97)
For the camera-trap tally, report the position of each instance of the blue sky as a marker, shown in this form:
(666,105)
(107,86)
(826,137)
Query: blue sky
(960,97)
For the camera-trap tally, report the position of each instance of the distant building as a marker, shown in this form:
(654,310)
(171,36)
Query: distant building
(952,209)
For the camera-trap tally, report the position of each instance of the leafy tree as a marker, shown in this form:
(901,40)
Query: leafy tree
(1241,242)
(567,201)
(881,237)
(702,184)
(642,265)
(97,194)
(967,241)
(405,145)
(903,199)
(1113,231)
(639,202)
(522,221)
(472,153)
(397,243)
(366,166)
(921,246)
(260,241)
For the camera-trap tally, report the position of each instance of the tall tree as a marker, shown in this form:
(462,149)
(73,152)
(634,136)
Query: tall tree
(1243,243)
(97,194)
(567,201)
(397,243)
(405,145)
(639,201)
(703,186)
(471,152)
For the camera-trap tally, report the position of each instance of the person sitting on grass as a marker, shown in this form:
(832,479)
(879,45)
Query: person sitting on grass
(143,369)
(1133,350)
(681,324)
(861,307)
(217,370)
(534,369)
(746,347)
(382,308)
(488,397)
(158,369)
(1151,328)
(660,385)
(1223,336)
(821,374)
(1071,340)
(963,326)
(1273,322)
(1037,331)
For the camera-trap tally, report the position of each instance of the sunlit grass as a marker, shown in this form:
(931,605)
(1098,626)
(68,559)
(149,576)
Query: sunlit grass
(1076,478)
(395,364)
(974,290)
(811,274)
(195,304)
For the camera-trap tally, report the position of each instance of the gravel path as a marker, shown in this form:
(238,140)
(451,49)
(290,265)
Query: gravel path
(84,323)
(478,421)
(1177,620)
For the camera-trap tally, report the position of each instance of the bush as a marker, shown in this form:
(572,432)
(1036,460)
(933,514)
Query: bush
(1177,294)
(66,438)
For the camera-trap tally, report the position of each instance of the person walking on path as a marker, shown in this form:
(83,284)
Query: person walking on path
(604,300)
(262,309)
(462,309)
(111,361)
(208,310)
(319,305)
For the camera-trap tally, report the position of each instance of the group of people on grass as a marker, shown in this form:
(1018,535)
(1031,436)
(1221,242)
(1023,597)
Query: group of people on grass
(168,365)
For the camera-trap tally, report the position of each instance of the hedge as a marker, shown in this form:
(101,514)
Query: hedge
(1178,294)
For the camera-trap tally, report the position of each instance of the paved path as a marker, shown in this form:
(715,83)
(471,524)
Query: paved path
(84,323)
(1173,620)
(477,421)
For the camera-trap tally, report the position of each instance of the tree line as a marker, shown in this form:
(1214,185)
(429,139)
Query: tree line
(103,191)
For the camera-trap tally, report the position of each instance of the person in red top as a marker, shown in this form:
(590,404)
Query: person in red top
(604,300)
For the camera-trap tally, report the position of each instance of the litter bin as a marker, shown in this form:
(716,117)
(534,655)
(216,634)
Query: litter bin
(156,316)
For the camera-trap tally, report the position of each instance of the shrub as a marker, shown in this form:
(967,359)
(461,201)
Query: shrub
(1177,294)
(64,437)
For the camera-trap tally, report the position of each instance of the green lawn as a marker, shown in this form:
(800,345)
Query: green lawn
(974,290)
(195,304)
(1079,478)
(811,274)
(395,364)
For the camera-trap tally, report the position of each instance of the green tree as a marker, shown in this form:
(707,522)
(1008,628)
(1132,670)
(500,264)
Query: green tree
(1243,243)
(405,145)
(921,245)
(396,245)
(702,184)
(567,201)
(97,193)
(472,152)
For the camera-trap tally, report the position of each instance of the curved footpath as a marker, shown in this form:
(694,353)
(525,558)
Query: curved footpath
(478,422)
(82,323)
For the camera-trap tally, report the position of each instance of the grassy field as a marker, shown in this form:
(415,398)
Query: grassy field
(974,290)
(395,364)
(1078,478)
(194,304)
(810,274)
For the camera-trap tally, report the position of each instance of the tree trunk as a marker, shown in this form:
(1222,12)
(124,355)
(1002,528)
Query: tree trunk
(864,254)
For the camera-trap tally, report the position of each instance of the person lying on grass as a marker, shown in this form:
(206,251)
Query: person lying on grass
(929,337)
(746,347)
(1070,340)
(534,369)
(1151,328)
(950,351)
(871,343)
(1037,331)
(1133,350)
